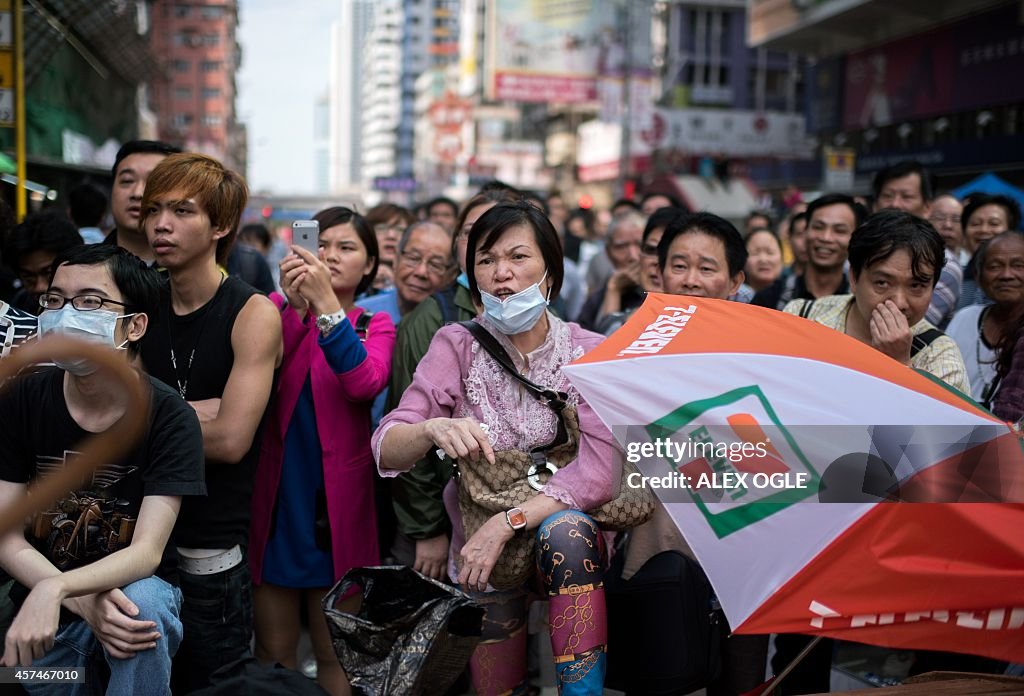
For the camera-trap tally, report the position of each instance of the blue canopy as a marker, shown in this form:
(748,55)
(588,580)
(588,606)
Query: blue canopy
(991,184)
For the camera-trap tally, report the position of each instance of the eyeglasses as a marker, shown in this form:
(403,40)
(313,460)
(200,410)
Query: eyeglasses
(649,249)
(944,219)
(384,229)
(435,264)
(83,303)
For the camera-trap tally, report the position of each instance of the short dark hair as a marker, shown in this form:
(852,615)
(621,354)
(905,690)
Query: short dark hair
(145,147)
(661,218)
(888,231)
(537,200)
(497,185)
(255,231)
(627,203)
(339,215)
(713,226)
(859,211)
(139,284)
(760,214)
(763,230)
(87,204)
(380,214)
(484,197)
(492,225)
(672,200)
(979,200)
(900,170)
(443,200)
(797,217)
(46,230)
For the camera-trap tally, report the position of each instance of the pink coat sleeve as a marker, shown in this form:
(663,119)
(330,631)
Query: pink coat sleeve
(594,477)
(436,387)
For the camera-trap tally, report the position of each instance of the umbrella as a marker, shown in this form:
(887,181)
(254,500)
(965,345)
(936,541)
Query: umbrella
(991,184)
(781,449)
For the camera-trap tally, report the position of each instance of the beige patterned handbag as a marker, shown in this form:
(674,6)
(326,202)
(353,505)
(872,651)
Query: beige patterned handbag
(516,476)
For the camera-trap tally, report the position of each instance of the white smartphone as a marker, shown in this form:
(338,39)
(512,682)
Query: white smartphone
(306,234)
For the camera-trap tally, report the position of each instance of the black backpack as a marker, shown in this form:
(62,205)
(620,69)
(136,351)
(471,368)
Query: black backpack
(667,619)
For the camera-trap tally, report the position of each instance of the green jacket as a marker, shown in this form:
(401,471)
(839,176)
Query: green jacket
(416,494)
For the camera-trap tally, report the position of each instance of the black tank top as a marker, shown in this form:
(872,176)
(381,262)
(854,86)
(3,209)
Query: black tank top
(221,518)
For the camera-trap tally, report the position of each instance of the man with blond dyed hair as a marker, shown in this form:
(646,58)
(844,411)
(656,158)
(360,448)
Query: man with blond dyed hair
(217,343)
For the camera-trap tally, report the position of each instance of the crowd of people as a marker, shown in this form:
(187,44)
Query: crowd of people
(306,411)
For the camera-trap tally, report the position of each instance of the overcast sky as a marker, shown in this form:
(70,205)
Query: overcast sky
(284,70)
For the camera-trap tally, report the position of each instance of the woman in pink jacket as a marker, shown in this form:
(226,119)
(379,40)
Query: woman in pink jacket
(313,515)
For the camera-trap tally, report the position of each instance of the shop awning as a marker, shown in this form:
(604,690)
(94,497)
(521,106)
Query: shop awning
(732,199)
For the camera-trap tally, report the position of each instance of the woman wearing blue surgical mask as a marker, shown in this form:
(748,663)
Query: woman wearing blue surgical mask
(463,403)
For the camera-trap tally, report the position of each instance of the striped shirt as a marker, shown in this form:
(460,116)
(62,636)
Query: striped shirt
(16,327)
(940,358)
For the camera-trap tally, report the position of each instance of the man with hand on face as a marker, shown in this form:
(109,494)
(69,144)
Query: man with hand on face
(622,291)
(895,261)
(831,220)
(105,583)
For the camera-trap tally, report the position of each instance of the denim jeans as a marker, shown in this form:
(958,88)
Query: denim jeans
(148,672)
(217,616)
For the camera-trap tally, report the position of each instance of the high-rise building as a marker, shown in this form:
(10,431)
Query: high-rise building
(430,42)
(349,37)
(381,91)
(321,145)
(194,98)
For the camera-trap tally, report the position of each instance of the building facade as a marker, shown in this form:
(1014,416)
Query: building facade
(349,37)
(195,96)
(890,83)
(382,93)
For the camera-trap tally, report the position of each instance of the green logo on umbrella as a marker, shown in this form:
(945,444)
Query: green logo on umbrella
(742,461)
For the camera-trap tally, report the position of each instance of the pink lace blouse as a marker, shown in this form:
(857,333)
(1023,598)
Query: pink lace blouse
(457,378)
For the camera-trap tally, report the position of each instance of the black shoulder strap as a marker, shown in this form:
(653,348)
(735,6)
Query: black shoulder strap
(923,340)
(556,400)
(788,290)
(363,325)
(805,311)
(446,302)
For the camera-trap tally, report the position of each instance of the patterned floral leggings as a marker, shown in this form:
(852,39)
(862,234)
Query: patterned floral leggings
(571,557)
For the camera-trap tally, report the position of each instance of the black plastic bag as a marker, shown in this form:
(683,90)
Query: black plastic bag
(412,635)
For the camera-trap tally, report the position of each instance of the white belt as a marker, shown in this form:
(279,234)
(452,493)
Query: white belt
(211,564)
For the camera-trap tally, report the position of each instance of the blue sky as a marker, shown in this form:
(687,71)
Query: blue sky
(284,70)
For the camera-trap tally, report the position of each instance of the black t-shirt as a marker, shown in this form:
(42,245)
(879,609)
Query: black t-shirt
(40,436)
(204,356)
(789,288)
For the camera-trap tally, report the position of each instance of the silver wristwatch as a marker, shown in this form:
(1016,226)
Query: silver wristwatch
(327,322)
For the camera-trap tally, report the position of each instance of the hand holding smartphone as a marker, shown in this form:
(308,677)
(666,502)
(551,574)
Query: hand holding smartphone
(306,234)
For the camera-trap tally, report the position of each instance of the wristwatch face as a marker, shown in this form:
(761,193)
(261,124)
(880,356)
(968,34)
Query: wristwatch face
(326,322)
(516,518)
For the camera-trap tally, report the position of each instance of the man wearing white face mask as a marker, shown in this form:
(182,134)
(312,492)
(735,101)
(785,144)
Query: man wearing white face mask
(91,571)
